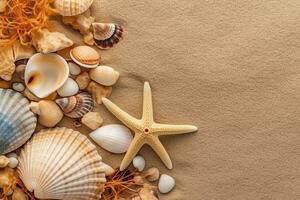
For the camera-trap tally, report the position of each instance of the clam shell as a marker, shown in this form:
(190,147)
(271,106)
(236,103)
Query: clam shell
(104,75)
(45,73)
(85,56)
(76,106)
(61,164)
(107,35)
(72,7)
(17,122)
(114,138)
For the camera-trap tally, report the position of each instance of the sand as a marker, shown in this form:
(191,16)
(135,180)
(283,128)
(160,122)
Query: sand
(229,67)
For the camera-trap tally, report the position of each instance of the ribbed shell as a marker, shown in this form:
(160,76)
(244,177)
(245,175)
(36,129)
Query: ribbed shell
(17,122)
(61,164)
(72,7)
(76,106)
(107,35)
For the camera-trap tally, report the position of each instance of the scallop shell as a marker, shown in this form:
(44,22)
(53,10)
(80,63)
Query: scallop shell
(76,106)
(85,56)
(61,164)
(17,122)
(72,7)
(107,35)
(45,73)
(114,138)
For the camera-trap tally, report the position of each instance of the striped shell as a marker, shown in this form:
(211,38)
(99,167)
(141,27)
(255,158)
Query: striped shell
(72,7)
(107,35)
(76,106)
(61,164)
(17,122)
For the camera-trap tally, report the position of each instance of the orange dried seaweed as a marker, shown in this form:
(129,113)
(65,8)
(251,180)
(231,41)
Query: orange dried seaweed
(21,18)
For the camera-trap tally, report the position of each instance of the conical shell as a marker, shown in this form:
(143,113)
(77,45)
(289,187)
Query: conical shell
(76,106)
(107,35)
(17,122)
(72,7)
(61,164)
(45,73)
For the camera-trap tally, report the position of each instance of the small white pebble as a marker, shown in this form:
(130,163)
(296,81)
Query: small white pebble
(166,183)
(13,162)
(18,87)
(12,155)
(74,69)
(139,163)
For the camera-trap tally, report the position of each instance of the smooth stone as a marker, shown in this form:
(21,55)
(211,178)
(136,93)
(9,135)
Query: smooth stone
(74,69)
(70,88)
(13,162)
(19,87)
(139,163)
(166,183)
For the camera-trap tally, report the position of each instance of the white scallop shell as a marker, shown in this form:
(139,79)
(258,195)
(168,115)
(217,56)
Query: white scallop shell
(61,164)
(45,73)
(72,7)
(114,138)
(17,122)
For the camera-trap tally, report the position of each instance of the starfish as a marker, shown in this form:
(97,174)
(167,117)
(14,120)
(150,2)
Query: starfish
(146,130)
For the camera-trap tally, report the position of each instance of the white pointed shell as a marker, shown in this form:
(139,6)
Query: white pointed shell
(114,138)
(61,164)
(45,73)
(72,7)
(17,122)
(104,75)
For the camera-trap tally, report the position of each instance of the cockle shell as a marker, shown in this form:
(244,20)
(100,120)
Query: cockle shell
(76,106)
(61,164)
(104,75)
(17,122)
(114,138)
(85,56)
(72,7)
(107,35)
(45,73)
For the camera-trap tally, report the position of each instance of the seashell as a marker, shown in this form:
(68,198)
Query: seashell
(20,70)
(147,193)
(17,122)
(166,183)
(13,162)
(19,87)
(83,80)
(4,161)
(76,106)
(139,163)
(137,179)
(48,111)
(51,97)
(7,66)
(99,91)
(45,73)
(114,138)
(65,53)
(12,155)
(85,56)
(104,75)
(22,52)
(69,88)
(61,164)
(108,169)
(30,96)
(107,35)
(48,42)
(19,194)
(152,174)
(93,120)
(71,7)
(74,69)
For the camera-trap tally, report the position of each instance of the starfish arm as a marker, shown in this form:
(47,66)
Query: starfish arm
(168,129)
(147,105)
(159,149)
(133,149)
(124,117)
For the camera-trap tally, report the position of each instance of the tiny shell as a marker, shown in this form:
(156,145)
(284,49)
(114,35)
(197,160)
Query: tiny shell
(114,138)
(152,174)
(76,106)
(19,195)
(69,88)
(93,120)
(107,35)
(108,169)
(74,69)
(18,87)
(99,91)
(104,75)
(72,7)
(166,184)
(139,163)
(83,80)
(13,162)
(85,56)
(4,161)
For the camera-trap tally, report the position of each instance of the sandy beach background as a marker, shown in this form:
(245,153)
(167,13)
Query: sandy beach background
(229,67)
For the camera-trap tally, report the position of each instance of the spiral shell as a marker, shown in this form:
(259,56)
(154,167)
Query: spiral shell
(76,106)
(17,122)
(107,35)
(72,7)
(61,164)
